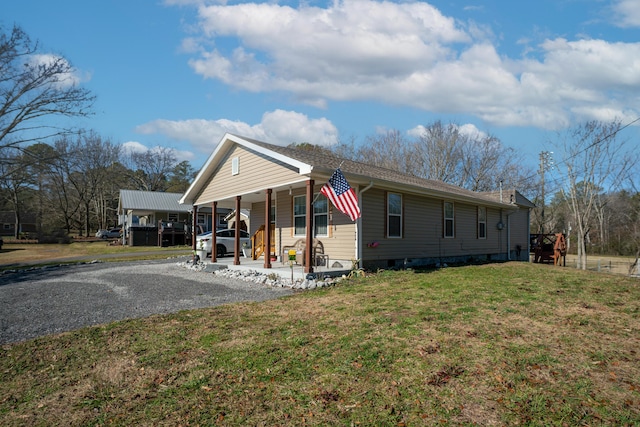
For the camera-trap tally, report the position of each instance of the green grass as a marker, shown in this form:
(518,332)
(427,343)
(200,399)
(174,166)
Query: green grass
(507,344)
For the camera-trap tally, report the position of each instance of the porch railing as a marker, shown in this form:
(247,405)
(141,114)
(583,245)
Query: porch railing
(258,243)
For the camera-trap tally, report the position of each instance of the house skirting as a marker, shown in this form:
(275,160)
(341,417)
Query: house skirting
(403,263)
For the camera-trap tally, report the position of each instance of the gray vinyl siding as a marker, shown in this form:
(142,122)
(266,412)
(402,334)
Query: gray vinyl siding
(423,235)
(255,174)
(519,223)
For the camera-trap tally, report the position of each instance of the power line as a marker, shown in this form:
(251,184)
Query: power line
(593,144)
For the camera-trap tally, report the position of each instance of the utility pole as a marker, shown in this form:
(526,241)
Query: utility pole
(545,162)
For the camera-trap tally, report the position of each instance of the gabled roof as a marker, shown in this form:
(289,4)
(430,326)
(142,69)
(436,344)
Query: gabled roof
(151,201)
(244,213)
(322,164)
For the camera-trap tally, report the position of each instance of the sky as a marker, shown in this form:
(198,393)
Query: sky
(181,73)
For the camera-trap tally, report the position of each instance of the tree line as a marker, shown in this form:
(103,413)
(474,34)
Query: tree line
(74,183)
(595,199)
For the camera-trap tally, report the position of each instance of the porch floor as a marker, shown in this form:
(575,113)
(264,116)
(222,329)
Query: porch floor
(277,267)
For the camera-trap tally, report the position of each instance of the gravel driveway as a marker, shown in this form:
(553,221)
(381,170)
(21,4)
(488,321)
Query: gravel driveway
(54,300)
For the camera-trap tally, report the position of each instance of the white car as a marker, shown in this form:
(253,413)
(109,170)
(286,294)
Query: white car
(225,241)
(109,234)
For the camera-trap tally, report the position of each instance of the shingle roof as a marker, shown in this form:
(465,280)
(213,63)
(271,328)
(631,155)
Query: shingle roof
(321,160)
(511,196)
(152,201)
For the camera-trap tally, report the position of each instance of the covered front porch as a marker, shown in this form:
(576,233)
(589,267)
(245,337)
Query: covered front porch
(287,212)
(272,246)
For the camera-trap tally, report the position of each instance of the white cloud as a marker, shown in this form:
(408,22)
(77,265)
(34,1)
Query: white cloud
(472,131)
(467,129)
(134,147)
(410,54)
(72,76)
(277,127)
(627,13)
(327,53)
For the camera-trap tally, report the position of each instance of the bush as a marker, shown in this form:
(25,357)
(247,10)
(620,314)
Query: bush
(55,236)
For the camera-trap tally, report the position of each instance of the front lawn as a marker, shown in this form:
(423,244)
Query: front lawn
(502,344)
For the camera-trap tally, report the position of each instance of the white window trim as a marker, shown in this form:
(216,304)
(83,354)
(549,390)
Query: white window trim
(482,222)
(235,166)
(305,217)
(326,214)
(452,219)
(394,215)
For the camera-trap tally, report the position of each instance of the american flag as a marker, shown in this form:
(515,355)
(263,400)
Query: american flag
(342,195)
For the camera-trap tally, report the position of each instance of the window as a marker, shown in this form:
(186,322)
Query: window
(299,215)
(221,222)
(394,215)
(448,220)
(230,232)
(235,166)
(482,222)
(172,217)
(202,219)
(320,216)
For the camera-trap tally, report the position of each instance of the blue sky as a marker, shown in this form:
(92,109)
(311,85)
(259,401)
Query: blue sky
(181,73)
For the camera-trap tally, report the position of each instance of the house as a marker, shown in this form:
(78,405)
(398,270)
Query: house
(28,227)
(148,213)
(405,220)
(244,219)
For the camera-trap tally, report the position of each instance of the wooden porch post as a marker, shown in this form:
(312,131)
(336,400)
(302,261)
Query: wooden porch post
(236,243)
(308,249)
(194,222)
(267,228)
(214,243)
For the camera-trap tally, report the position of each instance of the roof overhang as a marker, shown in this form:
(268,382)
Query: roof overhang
(321,174)
(227,141)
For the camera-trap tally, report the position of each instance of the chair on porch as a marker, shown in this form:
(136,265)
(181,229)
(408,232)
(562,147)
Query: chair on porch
(299,246)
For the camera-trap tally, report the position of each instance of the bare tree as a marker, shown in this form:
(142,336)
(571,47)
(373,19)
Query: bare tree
(15,181)
(152,168)
(477,162)
(93,157)
(33,87)
(439,153)
(386,150)
(445,153)
(594,159)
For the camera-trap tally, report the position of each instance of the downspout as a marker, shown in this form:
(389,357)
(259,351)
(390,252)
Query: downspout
(359,225)
(529,233)
(194,224)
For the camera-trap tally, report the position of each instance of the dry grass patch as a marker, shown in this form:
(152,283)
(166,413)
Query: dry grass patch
(489,345)
(16,253)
